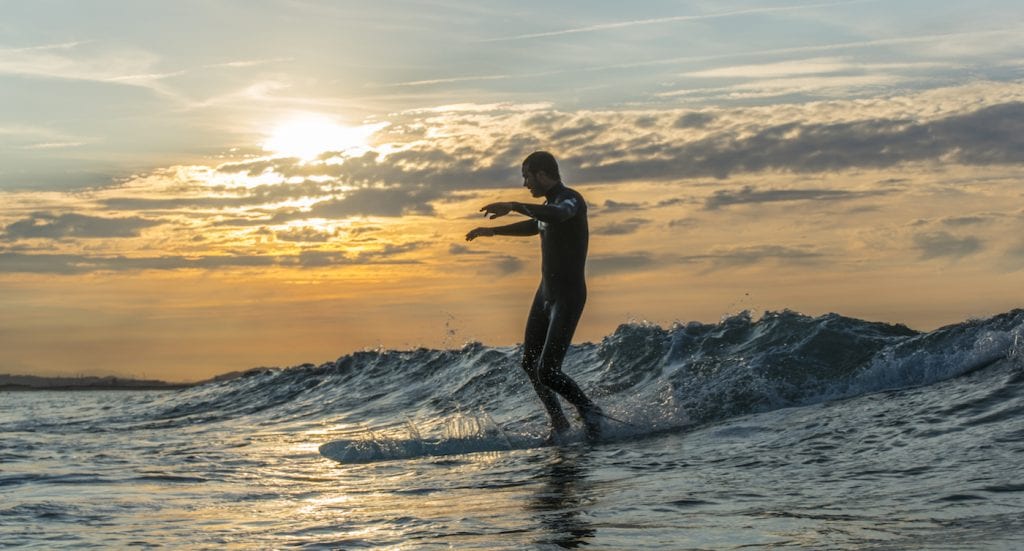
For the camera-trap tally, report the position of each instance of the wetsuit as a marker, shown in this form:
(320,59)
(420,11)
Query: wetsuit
(558,304)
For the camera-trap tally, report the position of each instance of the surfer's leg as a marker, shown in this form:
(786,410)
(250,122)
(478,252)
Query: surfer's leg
(562,325)
(533,345)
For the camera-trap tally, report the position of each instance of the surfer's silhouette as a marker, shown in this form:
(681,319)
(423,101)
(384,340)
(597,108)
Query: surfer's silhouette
(562,224)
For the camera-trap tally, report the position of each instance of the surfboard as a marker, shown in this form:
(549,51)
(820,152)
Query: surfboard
(370,451)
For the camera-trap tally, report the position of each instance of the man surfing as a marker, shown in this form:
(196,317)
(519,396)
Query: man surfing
(562,224)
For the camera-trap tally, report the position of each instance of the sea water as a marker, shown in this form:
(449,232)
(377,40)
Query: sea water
(784,432)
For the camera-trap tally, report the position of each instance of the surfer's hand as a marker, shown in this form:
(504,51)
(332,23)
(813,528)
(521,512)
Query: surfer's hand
(479,232)
(496,209)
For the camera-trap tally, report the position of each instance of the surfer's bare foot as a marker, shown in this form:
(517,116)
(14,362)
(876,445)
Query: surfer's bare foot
(556,437)
(593,422)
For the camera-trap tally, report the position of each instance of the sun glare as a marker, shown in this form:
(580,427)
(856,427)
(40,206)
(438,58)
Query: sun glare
(309,136)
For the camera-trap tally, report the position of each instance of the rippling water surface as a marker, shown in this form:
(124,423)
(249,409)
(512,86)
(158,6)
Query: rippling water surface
(788,431)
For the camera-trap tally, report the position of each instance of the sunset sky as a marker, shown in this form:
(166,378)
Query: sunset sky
(189,188)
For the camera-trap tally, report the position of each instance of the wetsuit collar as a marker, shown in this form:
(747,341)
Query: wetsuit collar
(554,191)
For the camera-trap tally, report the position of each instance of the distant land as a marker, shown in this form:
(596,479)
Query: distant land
(33,382)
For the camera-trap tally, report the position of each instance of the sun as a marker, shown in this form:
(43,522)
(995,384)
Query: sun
(308,136)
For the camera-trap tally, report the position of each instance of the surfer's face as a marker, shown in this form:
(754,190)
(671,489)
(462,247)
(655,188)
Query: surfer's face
(535,182)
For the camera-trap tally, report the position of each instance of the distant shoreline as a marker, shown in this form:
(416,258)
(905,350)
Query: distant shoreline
(30,388)
(28,383)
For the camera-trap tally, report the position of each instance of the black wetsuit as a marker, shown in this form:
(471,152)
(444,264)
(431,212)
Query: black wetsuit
(559,301)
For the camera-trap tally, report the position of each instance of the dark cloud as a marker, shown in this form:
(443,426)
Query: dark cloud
(682,223)
(1013,260)
(611,206)
(992,135)
(625,227)
(616,206)
(673,202)
(862,209)
(508,265)
(601,265)
(376,202)
(43,225)
(319,259)
(580,132)
(547,120)
(645,121)
(70,264)
(236,197)
(943,244)
(965,220)
(80,264)
(748,194)
(746,256)
(177,203)
(389,250)
(412,180)
(304,235)
(390,202)
(404,182)
(360,230)
(694,120)
(457,249)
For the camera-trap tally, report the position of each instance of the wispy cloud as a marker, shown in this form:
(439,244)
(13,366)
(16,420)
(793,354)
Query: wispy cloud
(245,63)
(674,19)
(996,40)
(66,61)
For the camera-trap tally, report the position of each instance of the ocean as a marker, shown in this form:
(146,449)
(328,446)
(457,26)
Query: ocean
(786,431)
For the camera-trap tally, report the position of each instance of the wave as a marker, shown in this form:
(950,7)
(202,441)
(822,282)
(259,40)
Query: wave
(642,374)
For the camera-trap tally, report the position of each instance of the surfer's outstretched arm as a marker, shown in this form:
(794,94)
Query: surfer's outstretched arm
(559,212)
(524,228)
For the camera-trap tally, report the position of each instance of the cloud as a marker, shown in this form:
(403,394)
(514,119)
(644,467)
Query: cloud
(508,265)
(943,244)
(457,249)
(582,131)
(478,149)
(964,220)
(87,61)
(814,66)
(694,120)
(1014,258)
(748,195)
(305,235)
(612,25)
(43,225)
(617,206)
(67,264)
(625,227)
(70,264)
(730,257)
(394,201)
(601,265)
(682,223)
(990,135)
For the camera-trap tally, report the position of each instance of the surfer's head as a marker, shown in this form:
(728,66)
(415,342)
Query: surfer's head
(540,172)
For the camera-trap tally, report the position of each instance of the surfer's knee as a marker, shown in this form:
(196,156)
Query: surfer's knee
(548,375)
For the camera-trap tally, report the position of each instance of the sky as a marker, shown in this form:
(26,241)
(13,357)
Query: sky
(190,188)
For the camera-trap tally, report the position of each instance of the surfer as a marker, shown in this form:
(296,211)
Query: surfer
(562,224)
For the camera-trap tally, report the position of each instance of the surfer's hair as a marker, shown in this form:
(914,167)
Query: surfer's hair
(542,161)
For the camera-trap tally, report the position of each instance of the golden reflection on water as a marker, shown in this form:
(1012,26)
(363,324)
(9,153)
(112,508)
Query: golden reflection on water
(509,499)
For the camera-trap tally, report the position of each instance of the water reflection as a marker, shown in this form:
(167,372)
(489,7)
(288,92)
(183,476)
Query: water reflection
(560,502)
